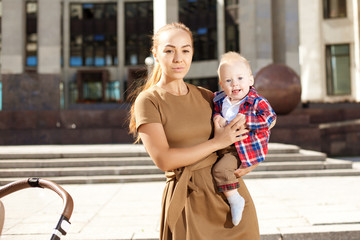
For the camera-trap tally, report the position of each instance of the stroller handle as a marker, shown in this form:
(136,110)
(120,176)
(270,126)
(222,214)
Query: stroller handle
(68,203)
(41,183)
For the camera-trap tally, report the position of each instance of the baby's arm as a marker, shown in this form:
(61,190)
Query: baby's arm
(222,121)
(263,118)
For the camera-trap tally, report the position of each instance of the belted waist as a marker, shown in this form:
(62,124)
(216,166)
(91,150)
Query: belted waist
(183,176)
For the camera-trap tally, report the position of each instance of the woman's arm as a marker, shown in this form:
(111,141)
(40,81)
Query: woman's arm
(154,139)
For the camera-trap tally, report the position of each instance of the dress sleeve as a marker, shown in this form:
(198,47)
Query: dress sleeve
(146,110)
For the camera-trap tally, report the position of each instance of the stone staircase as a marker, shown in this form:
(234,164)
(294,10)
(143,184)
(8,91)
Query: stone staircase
(120,163)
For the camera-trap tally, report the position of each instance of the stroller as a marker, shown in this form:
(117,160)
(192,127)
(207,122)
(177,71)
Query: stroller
(63,224)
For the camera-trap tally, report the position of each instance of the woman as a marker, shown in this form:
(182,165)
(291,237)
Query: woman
(173,120)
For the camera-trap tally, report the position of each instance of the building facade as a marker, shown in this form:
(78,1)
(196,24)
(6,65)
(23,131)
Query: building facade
(89,54)
(53,41)
(329,50)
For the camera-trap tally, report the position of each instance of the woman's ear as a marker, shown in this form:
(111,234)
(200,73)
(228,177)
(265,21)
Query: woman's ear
(154,55)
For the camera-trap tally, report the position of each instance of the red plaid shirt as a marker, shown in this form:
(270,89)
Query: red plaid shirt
(259,116)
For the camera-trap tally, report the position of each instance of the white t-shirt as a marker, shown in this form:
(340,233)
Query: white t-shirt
(229,111)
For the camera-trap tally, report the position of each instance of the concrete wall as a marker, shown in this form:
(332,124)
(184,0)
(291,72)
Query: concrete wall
(256,32)
(64,127)
(22,90)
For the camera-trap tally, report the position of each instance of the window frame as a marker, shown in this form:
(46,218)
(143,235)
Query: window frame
(329,70)
(201,18)
(327,7)
(93,40)
(27,36)
(143,23)
(229,7)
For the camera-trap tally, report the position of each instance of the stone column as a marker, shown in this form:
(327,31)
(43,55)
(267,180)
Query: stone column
(256,32)
(165,11)
(286,33)
(311,51)
(13,25)
(49,37)
(221,27)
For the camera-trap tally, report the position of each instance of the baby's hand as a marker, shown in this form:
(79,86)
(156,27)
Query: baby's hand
(222,121)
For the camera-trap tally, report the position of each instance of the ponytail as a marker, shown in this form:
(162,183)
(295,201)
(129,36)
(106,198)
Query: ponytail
(153,79)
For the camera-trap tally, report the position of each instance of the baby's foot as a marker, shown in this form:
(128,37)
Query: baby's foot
(237,204)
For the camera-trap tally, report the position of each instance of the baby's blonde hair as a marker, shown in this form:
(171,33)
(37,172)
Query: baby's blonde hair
(231,57)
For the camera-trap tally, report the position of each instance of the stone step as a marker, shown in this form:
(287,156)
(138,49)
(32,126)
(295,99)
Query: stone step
(75,162)
(138,160)
(150,168)
(131,163)
(96,179)
(161,177)
(303,173)
(99,151)
(79,171)
(304,165)
(302,155)
(146,161)
(71,151)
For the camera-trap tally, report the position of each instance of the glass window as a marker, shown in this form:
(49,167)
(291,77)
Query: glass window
(0,26)
(0,53)
(0,95)
(338,69)
(31,40)
(138,29)
(334,8)
(208,83)
(93,35)
(200,17)
(232,25)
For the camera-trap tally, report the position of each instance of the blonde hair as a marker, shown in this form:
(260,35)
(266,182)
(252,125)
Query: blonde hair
(231,57)
(155,75)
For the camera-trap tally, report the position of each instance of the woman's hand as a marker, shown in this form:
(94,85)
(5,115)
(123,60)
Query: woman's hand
(243,171)
(231,133)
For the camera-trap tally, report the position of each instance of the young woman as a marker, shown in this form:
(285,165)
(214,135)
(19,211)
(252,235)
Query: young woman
(173,119)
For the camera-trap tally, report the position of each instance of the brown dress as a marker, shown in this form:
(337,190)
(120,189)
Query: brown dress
(192,209)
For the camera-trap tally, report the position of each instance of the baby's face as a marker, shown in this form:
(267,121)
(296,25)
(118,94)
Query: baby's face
(235,80)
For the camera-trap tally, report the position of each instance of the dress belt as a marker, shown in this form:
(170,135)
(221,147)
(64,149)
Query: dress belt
(183,176)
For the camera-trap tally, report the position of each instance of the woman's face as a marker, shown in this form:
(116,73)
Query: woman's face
(174,53)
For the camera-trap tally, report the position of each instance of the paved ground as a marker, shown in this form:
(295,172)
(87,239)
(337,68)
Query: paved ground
(294,208)
(322,208)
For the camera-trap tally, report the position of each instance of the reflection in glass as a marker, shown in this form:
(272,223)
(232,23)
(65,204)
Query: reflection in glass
(338,69)
(31,34)
(200,17)
(334,8)
(138,29)
(0,96)
(232,25)
(93,32)
(208,83)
